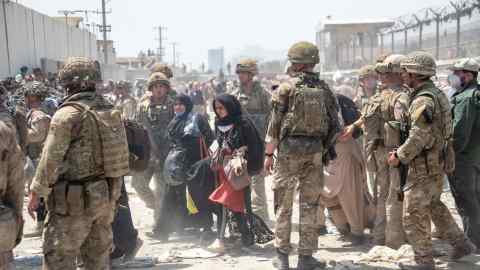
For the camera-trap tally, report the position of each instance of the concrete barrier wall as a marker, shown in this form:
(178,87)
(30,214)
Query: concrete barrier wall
(27,36)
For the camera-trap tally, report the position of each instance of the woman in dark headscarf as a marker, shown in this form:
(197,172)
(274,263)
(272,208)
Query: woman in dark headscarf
(187,133)
(237,139)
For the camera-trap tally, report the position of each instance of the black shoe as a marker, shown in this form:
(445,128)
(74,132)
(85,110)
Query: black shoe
(248,239)
(322,230)
(281,261)
(308,262)
(357,239)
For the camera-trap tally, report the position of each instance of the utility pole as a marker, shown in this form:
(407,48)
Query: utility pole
(104,28)
(174,45)
(161,38)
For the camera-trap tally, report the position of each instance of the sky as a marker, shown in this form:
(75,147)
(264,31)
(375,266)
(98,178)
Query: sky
(199,25)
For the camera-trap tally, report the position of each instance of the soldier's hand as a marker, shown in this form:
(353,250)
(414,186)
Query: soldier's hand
(393,160)
(33,202)
(268,165)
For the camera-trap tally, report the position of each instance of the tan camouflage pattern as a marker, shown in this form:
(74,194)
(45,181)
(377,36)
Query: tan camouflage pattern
(419,62)
(390,104)
(365,71)
(127,105)
(422,202)
(80,69)
(422,206)
(12,181)
(38,123)
(247,65)
(303,52)
(162,68)
(155,118)
(305,175)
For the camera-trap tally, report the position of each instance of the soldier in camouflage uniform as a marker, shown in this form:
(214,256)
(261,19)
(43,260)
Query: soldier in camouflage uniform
(304,119)
(165,70)
(80,171)
(12,185)
(428,123)
(38,123)
(123,101)
(367,78)
(379,115)
(255,102)
(154,113)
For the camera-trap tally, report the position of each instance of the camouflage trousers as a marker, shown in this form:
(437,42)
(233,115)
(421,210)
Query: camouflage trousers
(421,206)
(259,197)
(305,174)
(87,236)
(141,183)
(388,227)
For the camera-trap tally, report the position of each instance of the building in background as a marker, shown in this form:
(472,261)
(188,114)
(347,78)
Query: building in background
(216,60)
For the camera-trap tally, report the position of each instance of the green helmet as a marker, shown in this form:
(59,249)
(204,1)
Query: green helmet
(391,64)
(365,71)
(157,77)
(419,62)
(80,70)
(35,88)
(123,85)
(162,68)
(303,53)
(247,65)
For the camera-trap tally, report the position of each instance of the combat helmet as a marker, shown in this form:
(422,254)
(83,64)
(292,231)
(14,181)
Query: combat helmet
(468,64)
(157,78)
(123,84)
(162,68)
(303,53)
(35,88)
(80,71)
(419,62)
(247,65)
(366,71)
(391,64)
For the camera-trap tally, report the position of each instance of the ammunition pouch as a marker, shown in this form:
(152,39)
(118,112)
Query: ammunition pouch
(301,145)
(79,197)
(9,229)
(392,134)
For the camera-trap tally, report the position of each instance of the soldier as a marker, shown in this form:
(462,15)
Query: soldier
(466,125)
(83,161)
(367,78)
(123,101)
(429,125)
(304,119)
(12,183)
(255,102)
(38,123)
(154,113)
(379,115)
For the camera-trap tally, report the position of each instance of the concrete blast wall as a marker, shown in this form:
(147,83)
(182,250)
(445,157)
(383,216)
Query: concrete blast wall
(27,37)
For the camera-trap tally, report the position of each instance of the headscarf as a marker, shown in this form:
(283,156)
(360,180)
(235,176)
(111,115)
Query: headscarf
(176,126)
(233,108)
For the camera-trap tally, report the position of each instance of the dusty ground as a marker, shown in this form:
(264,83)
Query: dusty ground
(256,258)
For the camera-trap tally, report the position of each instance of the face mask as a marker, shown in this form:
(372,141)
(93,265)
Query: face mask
(455,81)
(178,114)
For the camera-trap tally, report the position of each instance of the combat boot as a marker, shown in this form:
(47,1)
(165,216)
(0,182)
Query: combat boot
(281,261)
(462,249)
(308,262)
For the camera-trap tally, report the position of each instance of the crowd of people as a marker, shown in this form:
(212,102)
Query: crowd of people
(371,155)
